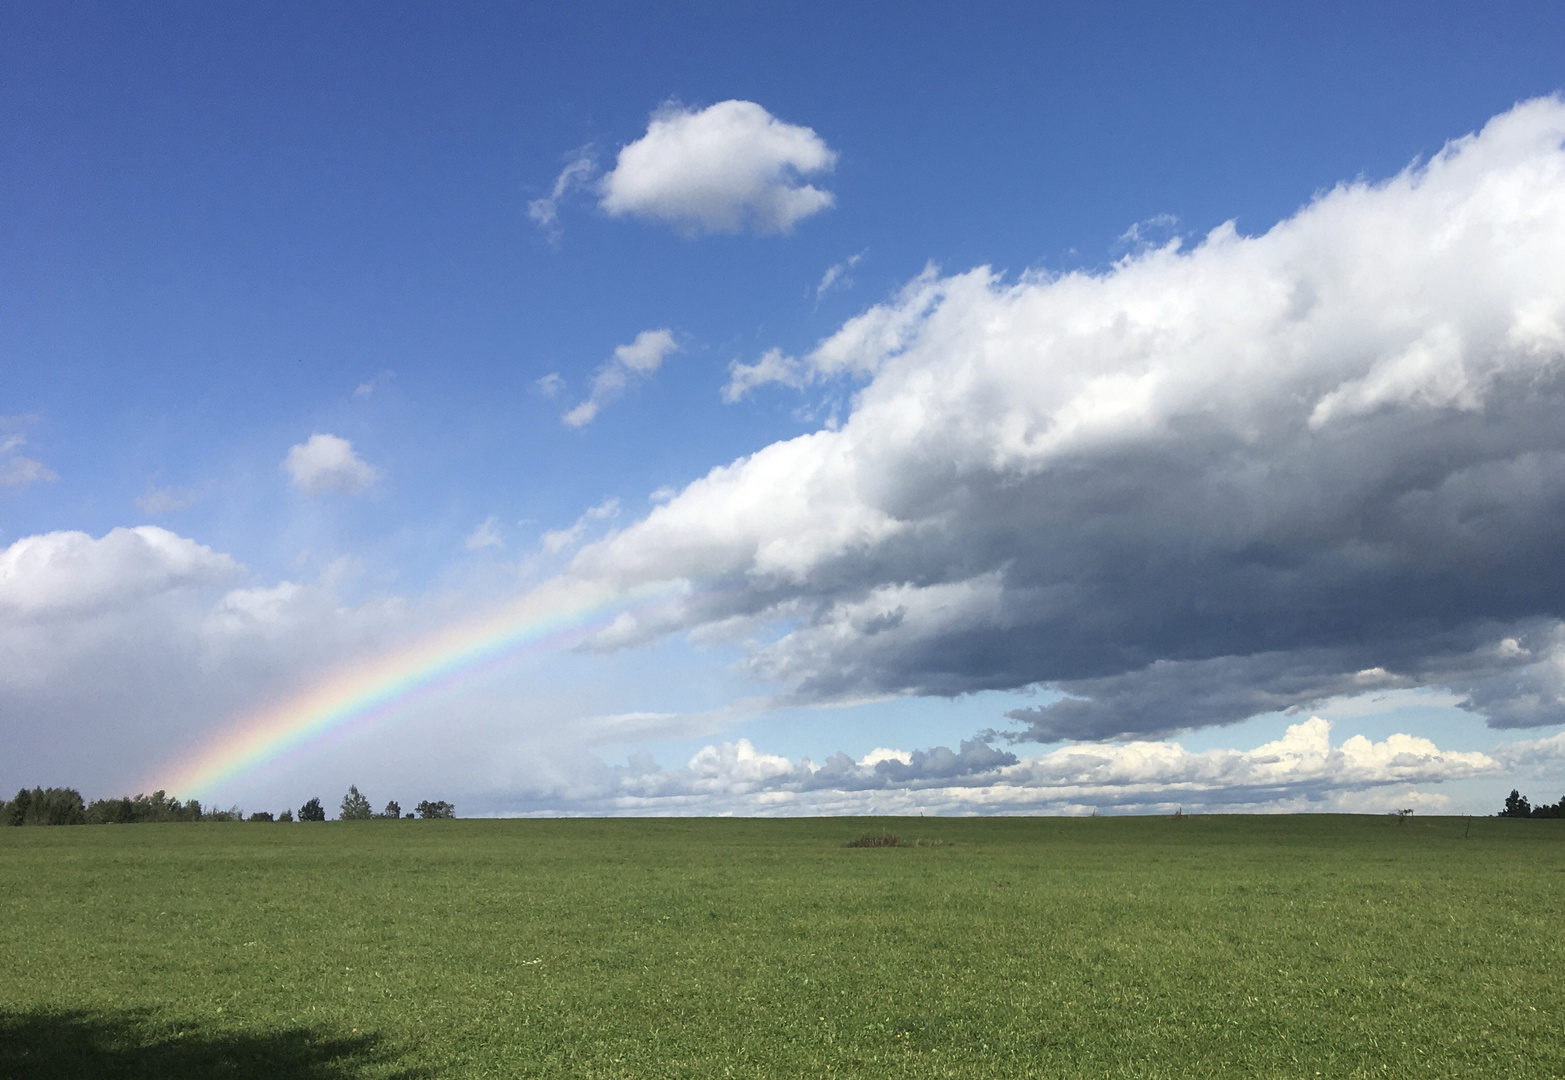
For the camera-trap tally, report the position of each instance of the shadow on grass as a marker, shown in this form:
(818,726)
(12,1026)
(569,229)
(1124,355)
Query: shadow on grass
(133,1044)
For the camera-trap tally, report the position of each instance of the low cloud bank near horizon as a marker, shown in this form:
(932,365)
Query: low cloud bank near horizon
(119,652)
(1303,771)
(1202,485)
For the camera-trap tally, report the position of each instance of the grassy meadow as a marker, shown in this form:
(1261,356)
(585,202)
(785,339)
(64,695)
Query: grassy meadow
(1115,947)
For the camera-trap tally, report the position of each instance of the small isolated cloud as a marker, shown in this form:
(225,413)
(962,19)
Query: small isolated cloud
(545,211)
(1157,229)
(369,386)
(557,540)
(772,367)
(19,471)
(486,535)
(327,463)
(836,276)
(725,169)
(550,385)
(638,360)
(166,500)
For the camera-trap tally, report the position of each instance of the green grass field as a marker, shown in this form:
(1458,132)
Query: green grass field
(1134,947)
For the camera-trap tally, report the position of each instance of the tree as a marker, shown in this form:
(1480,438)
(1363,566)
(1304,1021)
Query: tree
(392,811)
(312,811)
(355,807)
(1516,805)
(16,809)
(46,806)
(261,815)
(155,807)
(441,809)
(286,815)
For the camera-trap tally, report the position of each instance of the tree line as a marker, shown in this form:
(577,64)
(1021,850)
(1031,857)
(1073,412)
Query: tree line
(1516,805)
(65,806)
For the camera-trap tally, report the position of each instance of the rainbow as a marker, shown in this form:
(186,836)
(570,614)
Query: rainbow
(375,691)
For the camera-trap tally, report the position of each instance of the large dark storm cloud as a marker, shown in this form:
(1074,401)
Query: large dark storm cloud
(1203,485)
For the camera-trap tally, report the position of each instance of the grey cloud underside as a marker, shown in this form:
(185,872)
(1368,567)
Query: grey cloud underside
(1204,485)
(1171,594)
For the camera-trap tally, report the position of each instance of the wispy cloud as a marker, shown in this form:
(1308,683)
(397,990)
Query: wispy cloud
(167,500)
(370,386)
(17,470)
(486,535)
(545,211)
(636,361)
(773,367)
(1157,229)
(557,540)
(836,276)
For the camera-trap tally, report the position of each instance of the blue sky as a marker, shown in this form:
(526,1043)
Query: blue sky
(226,230)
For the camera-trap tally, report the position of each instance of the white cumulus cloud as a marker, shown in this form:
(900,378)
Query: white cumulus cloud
(66,572)
(327,463)
(726,168)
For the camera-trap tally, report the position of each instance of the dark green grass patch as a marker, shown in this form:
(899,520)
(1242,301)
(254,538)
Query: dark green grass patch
(880,839)
(1134,947)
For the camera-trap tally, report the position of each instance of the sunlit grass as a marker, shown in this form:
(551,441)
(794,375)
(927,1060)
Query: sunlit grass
(1136,947)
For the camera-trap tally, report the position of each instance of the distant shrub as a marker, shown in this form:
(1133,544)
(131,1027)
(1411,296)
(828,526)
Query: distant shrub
(392,811)
(312,811)
(355,807)
(877,840)
(286,815)
(233,813)
(440,809)
(261,815)
(46,806)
